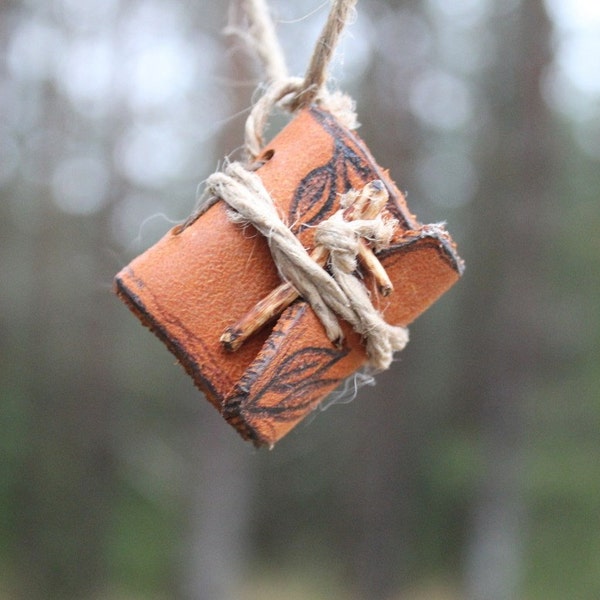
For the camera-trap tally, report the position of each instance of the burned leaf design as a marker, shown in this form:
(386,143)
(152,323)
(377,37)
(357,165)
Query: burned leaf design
(314,197)
(318,192)
(356,157)
(296,384)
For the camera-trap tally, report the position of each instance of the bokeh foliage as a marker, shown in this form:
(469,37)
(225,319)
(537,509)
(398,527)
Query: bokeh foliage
(469,470)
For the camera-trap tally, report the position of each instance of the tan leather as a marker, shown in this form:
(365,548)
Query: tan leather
(194,283)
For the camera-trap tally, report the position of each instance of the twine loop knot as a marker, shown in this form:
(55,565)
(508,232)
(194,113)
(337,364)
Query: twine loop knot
(293,93)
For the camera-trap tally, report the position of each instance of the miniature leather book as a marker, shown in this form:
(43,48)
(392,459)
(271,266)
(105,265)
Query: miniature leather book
(199,279)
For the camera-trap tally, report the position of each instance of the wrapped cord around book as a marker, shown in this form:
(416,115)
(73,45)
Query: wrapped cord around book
(341,293)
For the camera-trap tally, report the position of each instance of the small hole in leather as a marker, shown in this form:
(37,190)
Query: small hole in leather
(266,156)
(261,160)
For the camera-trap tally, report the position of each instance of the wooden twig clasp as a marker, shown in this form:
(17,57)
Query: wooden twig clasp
(364,205)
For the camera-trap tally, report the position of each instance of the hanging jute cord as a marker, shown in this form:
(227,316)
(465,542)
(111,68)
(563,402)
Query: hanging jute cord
(340,293)
(293,93)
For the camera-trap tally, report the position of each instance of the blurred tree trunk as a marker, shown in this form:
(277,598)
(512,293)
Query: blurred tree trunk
(65,487)
(500,332)
(217,523)
(381,486)
(220,486)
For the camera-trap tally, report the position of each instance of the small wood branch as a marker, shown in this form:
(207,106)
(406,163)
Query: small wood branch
(366,205)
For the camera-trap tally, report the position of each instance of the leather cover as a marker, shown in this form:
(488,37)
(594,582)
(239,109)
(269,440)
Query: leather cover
(198,280)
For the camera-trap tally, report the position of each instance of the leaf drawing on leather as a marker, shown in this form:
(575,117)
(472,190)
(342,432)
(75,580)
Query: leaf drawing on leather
(314,197)
(296,384)
(318,192)
(357,156)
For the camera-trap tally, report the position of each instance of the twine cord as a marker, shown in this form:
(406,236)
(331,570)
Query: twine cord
(292,93)
(340,293)
(261,38)
(316,74)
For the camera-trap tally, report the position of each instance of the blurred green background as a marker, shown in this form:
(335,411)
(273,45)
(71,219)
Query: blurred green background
(470,471)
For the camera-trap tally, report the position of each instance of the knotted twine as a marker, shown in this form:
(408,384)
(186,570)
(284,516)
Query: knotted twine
(293,93)
(340,293)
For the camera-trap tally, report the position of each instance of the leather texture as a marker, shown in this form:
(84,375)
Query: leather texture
(195,282)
